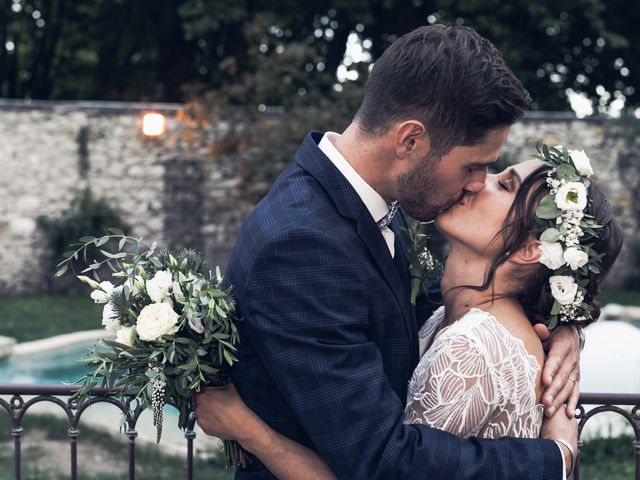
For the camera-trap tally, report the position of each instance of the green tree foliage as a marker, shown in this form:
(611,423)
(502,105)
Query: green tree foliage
(286,52)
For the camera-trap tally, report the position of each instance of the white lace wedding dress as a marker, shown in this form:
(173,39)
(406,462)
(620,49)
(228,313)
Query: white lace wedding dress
(475,380)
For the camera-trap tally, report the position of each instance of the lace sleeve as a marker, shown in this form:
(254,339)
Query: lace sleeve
(455,386)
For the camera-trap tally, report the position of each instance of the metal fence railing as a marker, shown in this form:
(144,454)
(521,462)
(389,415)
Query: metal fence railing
(610,402)
(22,397)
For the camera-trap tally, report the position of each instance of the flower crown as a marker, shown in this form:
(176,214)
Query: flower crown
(568,233)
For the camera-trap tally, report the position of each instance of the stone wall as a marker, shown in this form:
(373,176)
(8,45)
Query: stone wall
(160,186)
(181,192)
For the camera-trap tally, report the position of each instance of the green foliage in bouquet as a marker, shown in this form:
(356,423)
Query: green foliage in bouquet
(174,323)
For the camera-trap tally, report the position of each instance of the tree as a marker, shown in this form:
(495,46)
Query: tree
(286,52)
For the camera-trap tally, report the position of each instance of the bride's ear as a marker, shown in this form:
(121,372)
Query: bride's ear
(528,254)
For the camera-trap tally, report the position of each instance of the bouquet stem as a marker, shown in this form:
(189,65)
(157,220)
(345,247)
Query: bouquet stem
(234,455)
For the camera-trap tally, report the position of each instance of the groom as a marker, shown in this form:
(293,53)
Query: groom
(320,273)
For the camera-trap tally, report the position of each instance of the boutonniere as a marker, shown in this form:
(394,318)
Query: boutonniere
(423,266)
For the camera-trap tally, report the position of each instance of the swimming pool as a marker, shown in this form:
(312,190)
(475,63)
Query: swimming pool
(53,367)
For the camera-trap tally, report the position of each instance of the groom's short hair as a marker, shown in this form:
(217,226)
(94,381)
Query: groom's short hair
(450,78)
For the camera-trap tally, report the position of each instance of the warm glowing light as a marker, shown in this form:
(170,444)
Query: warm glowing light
(153,124)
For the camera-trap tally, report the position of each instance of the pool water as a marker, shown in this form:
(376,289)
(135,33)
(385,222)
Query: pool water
(53,367)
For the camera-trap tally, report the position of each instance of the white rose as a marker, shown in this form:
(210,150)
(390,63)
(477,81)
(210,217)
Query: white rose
(102,292)
(159,286)
(581,162)
(125,335)
(195,322)
(575,258)
(110,318)
(99,296)
(196,325)
(551,255)
(156,320)
(563,289)
(571,196)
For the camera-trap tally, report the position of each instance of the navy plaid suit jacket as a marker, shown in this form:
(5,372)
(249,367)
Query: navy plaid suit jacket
(328,342)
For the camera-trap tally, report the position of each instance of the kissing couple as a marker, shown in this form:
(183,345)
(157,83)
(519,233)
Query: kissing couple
(339,374)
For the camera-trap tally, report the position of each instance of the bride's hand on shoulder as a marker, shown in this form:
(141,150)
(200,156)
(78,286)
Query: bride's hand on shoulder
(561,371)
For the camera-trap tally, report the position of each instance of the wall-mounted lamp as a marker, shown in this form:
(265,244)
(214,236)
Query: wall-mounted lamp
(153,124)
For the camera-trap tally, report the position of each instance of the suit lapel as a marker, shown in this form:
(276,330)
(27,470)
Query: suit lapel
(370,235)
(348,203)
(402,263)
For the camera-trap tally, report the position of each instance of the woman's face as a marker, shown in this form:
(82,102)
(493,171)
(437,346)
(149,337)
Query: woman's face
(476,219)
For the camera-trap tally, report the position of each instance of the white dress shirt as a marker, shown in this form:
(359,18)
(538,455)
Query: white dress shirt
(377,206)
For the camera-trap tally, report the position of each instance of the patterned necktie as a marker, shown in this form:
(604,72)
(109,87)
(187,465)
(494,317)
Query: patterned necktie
(387,233)
(385,221)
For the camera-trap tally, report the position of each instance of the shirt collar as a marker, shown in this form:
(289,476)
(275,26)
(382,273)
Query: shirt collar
(374,202)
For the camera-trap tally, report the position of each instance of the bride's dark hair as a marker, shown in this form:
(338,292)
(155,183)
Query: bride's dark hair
(520,225)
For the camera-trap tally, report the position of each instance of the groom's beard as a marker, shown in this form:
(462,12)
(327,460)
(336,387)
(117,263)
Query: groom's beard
(418,191)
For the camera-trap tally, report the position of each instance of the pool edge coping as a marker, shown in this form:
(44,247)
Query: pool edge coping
(59,341)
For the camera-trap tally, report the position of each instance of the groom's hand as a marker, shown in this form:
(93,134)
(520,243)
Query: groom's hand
(561,372)
(220,412)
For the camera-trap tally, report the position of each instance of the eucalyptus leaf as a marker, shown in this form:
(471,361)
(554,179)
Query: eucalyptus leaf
(545,150)
(208,369)
(547,209)
(62,270)
(101,241)
(229,358)
(567,172)
(550,235)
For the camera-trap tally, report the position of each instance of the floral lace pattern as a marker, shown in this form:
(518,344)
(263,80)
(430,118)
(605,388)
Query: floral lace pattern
(476,379)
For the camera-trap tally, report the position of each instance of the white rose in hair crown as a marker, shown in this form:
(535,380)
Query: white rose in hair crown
(567,233)
(174,324)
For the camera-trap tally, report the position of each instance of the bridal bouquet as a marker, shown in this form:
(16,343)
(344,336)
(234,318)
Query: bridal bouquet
(174,326)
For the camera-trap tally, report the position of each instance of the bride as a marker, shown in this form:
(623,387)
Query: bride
(532,247)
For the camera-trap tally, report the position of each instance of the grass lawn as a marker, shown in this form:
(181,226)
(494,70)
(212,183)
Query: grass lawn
(623,297)
(32,317)
(607,459)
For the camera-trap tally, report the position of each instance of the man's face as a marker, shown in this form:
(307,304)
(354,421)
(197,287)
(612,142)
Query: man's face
(436,184)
